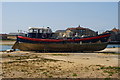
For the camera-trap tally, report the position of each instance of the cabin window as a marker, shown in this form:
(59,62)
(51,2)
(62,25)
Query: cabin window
(42,30)
(45,31)
(30,30)
(35,31)
(39,31)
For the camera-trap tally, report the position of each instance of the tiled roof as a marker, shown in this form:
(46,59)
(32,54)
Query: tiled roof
(78,28)
(115,30)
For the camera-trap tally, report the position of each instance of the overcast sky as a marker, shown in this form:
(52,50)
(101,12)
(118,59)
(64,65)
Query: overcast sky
(98,16)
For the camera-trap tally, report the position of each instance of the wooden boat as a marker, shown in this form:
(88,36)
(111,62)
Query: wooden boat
(94,43)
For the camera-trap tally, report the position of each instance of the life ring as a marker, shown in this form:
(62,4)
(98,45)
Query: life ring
(44,35)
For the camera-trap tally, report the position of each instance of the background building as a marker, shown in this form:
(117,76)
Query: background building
(3,36)
(115,34)
(76,32)
(14,35)
(60,33)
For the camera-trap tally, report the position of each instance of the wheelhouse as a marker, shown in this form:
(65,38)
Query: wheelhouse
(39,32)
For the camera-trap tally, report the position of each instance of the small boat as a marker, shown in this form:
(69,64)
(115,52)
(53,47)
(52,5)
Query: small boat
(36,41)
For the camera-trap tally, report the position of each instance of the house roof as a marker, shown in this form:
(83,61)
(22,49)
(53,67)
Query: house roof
(78,28)
(115,30)
(3,34)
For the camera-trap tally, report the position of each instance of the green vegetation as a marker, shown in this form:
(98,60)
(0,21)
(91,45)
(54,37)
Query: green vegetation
(7,40)
(74,74)
(7,44)
(45,60)
(50,76)
(110,67)
(107,78)
(110,70)
(112,53)
(45,73)
(60,54)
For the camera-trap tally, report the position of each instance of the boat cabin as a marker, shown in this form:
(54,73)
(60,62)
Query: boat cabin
(39,32)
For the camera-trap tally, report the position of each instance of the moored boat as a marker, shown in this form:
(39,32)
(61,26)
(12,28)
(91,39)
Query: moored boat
(42,41)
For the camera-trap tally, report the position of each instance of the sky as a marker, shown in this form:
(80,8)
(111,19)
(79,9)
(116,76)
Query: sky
(98,16)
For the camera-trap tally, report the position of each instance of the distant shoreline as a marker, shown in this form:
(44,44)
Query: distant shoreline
(7,42)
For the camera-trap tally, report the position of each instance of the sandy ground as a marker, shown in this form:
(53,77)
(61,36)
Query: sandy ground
(26,64)
(23,64)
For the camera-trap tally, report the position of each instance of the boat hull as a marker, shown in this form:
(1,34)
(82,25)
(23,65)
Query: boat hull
(73,47)
(96,43)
